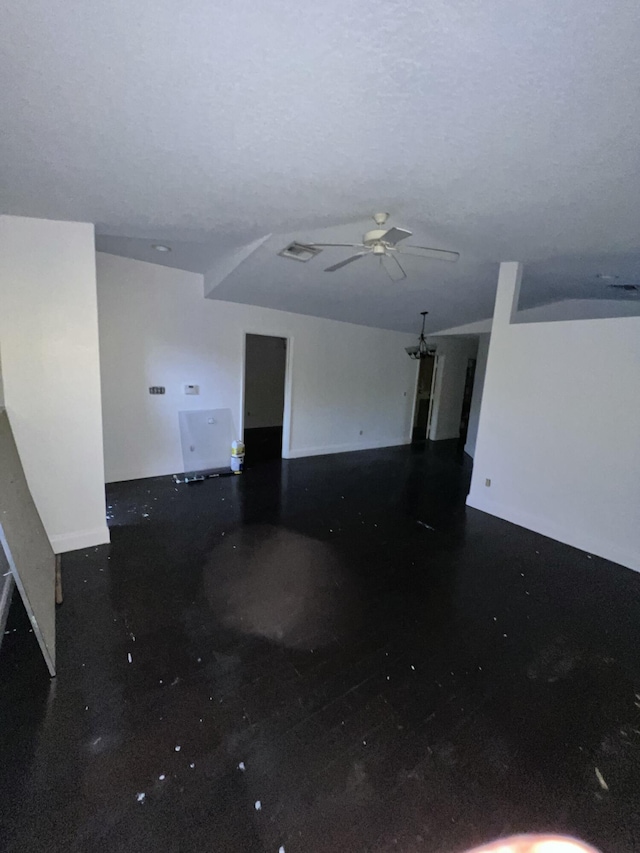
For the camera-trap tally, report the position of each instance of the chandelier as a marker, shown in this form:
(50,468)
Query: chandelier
(422,349)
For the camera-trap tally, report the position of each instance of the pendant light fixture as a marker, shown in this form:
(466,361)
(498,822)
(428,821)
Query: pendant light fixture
(422,350)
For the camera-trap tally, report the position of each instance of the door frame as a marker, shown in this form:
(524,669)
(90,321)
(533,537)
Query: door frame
(415,397)
(434,375)
(287,410)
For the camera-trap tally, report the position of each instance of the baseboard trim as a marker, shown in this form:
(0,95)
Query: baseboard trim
(301,452)
(295,453)
(81,539)
(581,540)
(126,477)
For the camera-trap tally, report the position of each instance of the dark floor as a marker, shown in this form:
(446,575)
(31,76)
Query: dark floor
(263,444)
(301,640)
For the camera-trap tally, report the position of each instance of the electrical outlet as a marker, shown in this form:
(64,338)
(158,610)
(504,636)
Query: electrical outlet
(487,482)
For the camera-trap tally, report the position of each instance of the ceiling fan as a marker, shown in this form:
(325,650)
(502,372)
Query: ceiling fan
(383,243)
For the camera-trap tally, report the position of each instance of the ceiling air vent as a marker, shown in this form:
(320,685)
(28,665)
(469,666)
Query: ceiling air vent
(299,252)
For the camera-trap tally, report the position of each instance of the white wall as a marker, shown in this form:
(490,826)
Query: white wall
(1,384)
(565,309)
(559,432)
(156,328)
(6,578)
(50,368)
(476,399)
(265,366)
(451,372)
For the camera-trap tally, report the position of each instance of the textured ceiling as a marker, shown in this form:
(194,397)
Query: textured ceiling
(504,130)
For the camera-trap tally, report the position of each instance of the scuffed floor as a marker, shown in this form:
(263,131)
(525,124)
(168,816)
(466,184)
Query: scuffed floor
(326,654)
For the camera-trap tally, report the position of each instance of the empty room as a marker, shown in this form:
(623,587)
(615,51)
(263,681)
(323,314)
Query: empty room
(320,427)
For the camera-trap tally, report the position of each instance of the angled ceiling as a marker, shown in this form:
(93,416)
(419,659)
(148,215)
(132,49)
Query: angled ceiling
(503,130)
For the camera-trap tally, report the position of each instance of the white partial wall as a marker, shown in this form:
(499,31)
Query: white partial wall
(453,354)
(476,397)
(351,387)
(1,385)
(559,432)
(50,372)
(265,366)
(6,578)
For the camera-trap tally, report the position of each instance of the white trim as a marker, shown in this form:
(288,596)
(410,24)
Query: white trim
(145,475)
(435,396)
(80,539)
(287,410)
(432,394)
(414,401)
(5,598)
(344,448)
(582,540)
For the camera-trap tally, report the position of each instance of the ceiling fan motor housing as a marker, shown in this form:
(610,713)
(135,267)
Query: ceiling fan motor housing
(373,237)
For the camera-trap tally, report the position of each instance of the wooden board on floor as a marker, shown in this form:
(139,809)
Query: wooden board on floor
(26,545)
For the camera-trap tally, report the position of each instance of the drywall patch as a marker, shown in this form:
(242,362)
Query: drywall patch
(205,437)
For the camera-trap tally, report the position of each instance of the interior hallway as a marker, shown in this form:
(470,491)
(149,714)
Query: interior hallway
(295,638)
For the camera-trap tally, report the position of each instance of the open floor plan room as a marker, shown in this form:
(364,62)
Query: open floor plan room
(320,426)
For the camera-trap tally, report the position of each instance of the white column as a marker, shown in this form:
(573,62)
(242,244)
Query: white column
(506,305)
(51,373)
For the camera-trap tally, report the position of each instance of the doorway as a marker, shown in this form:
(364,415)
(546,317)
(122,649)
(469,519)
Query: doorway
(421,413)
(466,400)
(265,368)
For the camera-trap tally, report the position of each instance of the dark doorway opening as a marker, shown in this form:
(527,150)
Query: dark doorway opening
(466,400)
(264,388)
(423,399)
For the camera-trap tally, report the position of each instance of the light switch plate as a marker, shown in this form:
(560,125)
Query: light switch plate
(191,389)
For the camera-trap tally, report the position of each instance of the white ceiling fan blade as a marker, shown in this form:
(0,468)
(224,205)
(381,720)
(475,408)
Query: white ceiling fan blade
(425,252)
(394,235)
(345,262)
(392,267)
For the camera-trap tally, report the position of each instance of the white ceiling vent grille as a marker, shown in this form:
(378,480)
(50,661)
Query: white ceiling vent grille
(299,252)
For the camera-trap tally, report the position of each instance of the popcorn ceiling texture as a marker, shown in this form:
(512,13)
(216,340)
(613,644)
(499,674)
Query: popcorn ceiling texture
(504,130)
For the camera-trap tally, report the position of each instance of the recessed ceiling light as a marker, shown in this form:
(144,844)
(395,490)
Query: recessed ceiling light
(606,277)
(160,248)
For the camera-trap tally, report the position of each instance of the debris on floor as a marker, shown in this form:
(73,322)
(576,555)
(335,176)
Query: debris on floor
(600,779)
